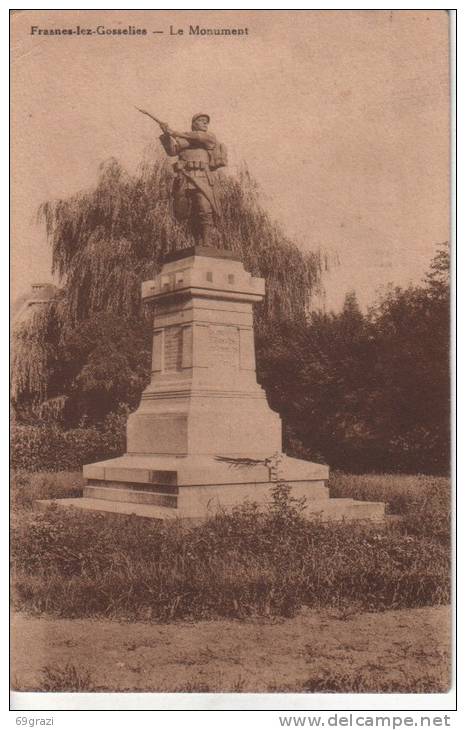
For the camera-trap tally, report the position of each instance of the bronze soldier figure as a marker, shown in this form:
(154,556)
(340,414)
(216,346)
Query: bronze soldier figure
(199,154)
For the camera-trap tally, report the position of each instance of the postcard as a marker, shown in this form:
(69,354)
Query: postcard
(231,449)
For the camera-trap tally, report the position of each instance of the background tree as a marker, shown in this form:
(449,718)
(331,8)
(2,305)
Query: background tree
(91,344)
(412,328)
(368,392)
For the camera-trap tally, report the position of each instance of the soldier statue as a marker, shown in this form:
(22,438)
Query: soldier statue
(194,194)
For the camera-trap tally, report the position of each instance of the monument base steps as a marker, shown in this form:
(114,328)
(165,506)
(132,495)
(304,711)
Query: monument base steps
(197,487)
(334,510)
(150,511)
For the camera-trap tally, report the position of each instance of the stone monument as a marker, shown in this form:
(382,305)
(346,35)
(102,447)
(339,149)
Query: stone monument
(204,437)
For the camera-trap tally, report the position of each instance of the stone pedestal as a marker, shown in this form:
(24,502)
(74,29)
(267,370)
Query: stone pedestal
(203,435)
(203,398)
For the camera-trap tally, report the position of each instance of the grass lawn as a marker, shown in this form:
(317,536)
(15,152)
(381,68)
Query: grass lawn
(76,575)
(315,651)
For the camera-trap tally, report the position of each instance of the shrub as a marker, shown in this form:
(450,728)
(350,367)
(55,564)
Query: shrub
(351,682)
(66,679)
(50,448)
(26,486)
(424,502)
(245,563)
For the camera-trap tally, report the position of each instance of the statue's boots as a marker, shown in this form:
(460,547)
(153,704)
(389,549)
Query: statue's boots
(206,229)
(206,234)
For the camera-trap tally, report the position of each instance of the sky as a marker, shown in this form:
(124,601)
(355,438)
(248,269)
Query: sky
(341,116)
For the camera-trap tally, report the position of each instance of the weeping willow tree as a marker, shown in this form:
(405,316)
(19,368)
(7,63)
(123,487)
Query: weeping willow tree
(107,240)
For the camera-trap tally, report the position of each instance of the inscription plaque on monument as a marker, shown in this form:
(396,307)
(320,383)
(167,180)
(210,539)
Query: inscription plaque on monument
(173,351)
(224,345)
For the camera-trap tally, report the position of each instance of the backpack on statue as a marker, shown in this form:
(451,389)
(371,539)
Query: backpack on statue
(218,157)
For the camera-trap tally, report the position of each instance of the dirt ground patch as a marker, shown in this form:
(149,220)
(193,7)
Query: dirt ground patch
(234,656)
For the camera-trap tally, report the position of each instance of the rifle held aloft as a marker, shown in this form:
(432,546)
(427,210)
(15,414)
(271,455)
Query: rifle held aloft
(163,125)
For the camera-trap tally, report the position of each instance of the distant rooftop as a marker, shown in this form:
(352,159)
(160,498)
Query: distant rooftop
(40,293)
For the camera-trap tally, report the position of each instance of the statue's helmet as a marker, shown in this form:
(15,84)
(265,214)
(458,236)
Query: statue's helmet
(196,116)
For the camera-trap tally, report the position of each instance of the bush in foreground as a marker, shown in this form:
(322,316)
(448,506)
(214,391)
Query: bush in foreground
(49,447)
(27,487)
(422,501)
(84,564)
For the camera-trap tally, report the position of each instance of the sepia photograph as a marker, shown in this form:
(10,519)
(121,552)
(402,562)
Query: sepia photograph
(230,354)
